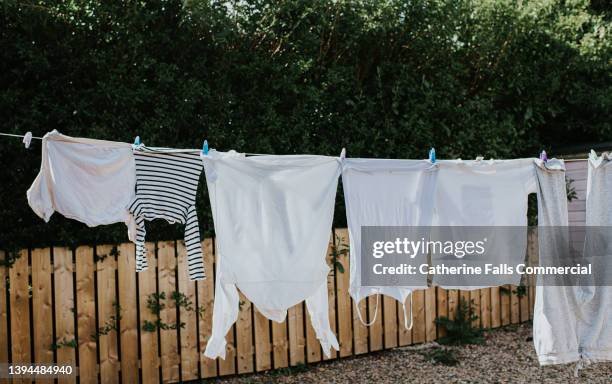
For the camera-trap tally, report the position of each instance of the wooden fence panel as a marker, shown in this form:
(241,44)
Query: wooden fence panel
(126,263)
(514,305)
(263,349)
(524,305)
(375,316)
(504,293)
(485,307)
(453,302)
(206,296)
(418,316)
(297,341)
(170,358)
(390,322)
(187,314)
(86,315)
(228,366)
(430,314)
(64,307)
(149,347)
(495,308)
(244,336)
(20,309)
(343,299)
(280,344)
(360,331)
(4,342)
(442,308)
(42,306)
(71,289)
(475,310)
(106,334)
(405,335)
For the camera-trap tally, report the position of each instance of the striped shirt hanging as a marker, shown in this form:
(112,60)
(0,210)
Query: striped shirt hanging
(166,186)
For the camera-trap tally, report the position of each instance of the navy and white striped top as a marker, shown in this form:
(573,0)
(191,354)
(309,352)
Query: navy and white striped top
(166,186)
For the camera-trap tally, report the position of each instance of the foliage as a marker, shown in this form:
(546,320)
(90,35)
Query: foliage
(521,291)
(460,330)
(439,355)
(156,303)
(389,79)
(64,343)
(339,248)
(112,324)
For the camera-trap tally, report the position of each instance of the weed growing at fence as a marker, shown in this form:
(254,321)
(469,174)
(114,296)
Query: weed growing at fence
(112,324)
(440,355)
(64,343)
(113,252)
(339,248)
(460,330)
(520,291)
(155,304)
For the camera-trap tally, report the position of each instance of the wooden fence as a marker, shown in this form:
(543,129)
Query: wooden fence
(89,308)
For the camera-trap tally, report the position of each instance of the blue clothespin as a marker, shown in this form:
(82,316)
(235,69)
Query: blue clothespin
(543,156)
(137,141)
(432,155)
(205,147)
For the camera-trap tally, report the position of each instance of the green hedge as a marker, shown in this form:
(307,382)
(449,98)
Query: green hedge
(382,78)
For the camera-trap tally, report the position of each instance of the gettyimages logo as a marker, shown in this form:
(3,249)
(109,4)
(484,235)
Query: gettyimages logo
(410,248)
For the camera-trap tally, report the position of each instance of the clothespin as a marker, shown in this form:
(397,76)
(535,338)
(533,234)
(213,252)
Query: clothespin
(343,154)
(205,147)
(137,141)
(543,156)
(432,155)
(27,139)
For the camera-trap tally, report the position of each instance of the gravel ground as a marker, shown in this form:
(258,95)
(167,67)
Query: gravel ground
(507,356)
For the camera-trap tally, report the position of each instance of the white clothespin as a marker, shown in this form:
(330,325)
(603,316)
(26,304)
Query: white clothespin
(343,154)
(27,139)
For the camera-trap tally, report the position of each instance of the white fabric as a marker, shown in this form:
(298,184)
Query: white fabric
(571,323)
(386,192)
(485,193)
(554,322)
(91,181)
(273,217)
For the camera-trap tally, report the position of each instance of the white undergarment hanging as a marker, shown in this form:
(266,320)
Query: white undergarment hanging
(273,217)
(387,192)
(88,180)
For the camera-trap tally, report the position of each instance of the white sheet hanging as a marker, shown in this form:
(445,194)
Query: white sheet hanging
(386,192)
(88,180)
(485,193)
(273,217)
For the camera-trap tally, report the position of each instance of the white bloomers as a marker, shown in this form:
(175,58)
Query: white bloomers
(88,180)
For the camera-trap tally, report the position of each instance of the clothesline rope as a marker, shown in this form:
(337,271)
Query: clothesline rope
(22,136)
(247,154)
